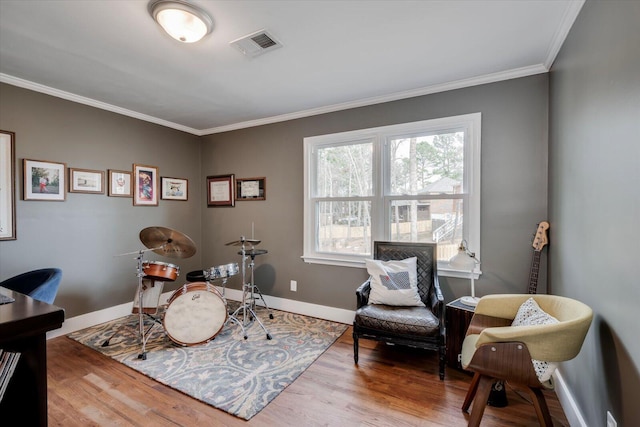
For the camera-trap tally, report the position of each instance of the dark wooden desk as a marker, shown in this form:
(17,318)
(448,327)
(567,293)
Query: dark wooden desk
(23,328)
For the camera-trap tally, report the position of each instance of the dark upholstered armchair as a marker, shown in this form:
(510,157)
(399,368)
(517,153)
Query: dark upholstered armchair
(421,327)
(41,285)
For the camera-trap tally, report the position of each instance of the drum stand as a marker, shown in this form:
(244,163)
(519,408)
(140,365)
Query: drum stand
(248,296)
(232,316)
(144,335)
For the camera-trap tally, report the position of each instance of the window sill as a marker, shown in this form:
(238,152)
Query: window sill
(443,267)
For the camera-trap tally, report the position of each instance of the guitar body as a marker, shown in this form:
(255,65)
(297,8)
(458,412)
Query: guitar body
(498,395)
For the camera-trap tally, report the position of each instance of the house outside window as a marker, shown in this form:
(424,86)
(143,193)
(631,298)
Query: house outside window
(413,182)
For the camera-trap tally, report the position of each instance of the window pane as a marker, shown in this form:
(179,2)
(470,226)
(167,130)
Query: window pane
(345,171)
(344,227)
(428,221)
(428,164)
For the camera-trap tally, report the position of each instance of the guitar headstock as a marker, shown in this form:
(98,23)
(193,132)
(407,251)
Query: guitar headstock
(540,239)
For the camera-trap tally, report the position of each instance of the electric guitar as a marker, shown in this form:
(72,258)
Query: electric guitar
(498,396)
(540,240)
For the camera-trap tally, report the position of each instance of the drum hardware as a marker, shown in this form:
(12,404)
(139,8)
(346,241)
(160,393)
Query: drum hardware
(143,334)
(255,290)
(162,241)
(248,288)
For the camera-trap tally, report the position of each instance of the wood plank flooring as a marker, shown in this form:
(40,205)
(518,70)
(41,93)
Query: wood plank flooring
(391,386)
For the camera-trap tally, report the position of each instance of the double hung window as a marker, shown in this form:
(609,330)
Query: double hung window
(413,182)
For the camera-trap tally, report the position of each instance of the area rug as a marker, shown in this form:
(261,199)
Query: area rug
(230,373)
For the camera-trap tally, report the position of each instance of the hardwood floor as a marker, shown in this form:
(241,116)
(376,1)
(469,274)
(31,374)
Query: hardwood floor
(391,386)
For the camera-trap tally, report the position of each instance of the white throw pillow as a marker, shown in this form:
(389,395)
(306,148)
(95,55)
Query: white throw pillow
(530,314)
(394,282)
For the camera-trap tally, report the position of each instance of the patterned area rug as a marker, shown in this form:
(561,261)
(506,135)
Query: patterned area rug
(230,373)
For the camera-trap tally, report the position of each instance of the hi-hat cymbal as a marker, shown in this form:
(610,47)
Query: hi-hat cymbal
(254,252)
(168,242)
(242,241)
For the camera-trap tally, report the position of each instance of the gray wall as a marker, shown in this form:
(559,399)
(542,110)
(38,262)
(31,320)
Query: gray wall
(514,189)
(594,201)
(83,234)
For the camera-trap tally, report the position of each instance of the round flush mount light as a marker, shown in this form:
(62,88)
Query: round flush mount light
(183,21)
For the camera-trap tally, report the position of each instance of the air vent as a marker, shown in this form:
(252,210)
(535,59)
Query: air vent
(256,44)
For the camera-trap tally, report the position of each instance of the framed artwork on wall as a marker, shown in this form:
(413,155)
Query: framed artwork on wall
(44,180)
(174,188)
(86,181)
(220,190)
(119,183)
(251,189)
(145,185)
(7,186)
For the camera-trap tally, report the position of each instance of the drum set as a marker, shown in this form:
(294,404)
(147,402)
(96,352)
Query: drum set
(196,312)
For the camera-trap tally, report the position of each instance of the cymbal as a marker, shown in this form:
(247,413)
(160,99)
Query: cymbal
(253,252)
(168,242)
(242,241)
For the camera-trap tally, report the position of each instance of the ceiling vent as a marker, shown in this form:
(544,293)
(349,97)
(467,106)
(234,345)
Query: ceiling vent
(256,44)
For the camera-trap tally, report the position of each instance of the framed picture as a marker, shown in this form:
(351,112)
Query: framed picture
(44,180)
(7,186)
(119,183)
(86,181)
(251,189)
(220,190)
(174,188)
(145,185)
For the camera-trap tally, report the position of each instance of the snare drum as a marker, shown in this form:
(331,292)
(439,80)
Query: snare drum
(162,271)
(221,271)
(195,314)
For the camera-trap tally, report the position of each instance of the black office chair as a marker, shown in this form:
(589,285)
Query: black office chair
(41,285)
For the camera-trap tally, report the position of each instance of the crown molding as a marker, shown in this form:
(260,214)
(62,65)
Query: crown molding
(458,84)
(569,17)
(36,87)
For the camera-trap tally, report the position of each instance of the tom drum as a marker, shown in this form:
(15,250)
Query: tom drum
(221,271)
(162,271)
(195,314)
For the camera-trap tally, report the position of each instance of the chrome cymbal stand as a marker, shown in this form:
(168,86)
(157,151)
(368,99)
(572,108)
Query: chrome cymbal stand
(254,288)
(248,297)
(232,316)
(144,335)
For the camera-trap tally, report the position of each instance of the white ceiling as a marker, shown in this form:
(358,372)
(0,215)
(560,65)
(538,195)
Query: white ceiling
(336,54)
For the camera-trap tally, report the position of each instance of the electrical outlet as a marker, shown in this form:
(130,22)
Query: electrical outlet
(611,422)
(294,286)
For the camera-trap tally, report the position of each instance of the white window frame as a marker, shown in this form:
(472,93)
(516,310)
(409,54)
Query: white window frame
(470,123)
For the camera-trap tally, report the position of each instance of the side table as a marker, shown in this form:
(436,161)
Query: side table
(457,319)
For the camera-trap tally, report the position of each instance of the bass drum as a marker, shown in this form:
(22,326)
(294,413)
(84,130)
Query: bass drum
(195,314)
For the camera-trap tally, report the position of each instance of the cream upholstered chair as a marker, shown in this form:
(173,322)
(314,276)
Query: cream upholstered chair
(495,350)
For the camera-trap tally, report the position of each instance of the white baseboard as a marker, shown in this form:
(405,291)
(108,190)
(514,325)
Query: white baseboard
(568,403)
(314,310)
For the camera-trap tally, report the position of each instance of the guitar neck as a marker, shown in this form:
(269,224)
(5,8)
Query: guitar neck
(533,273)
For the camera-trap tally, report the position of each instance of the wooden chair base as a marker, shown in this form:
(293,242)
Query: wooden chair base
(479,391)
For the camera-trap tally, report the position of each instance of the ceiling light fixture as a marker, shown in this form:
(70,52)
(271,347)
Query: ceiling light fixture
(181,20)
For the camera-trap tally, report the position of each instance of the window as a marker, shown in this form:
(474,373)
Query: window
(415,182)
